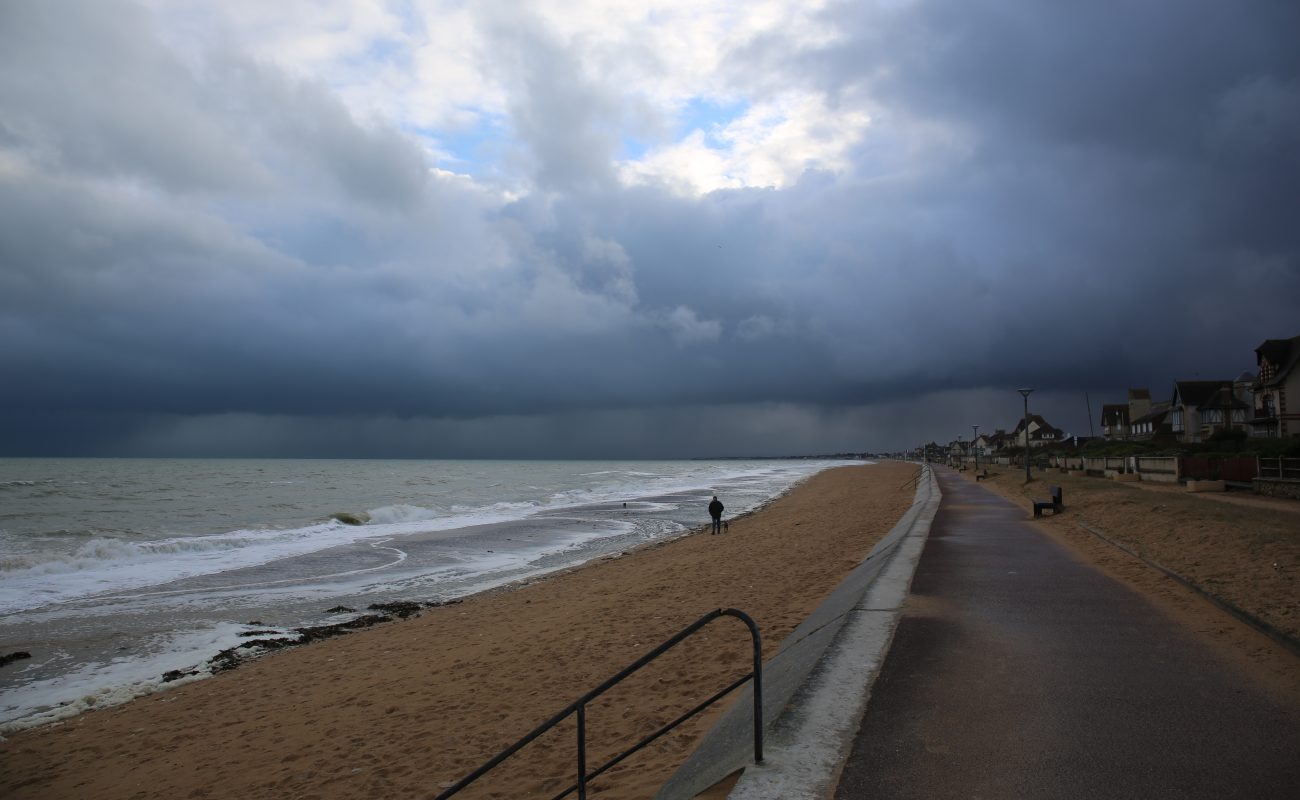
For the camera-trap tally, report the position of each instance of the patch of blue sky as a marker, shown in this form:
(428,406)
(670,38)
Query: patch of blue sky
(471,150)
(385,51)
(632,149)
(705,115)
(709,116)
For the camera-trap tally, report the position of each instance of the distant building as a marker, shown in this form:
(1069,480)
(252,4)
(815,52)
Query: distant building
(1139,403)
(987,443)
(1117,418)
(1199,409)
(1152,425)
(1114,421)
(1040,433)
(1279,376)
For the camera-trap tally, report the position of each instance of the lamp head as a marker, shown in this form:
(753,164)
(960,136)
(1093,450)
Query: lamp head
(1025,392)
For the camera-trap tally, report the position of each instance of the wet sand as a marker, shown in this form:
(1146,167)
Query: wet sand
(404,709)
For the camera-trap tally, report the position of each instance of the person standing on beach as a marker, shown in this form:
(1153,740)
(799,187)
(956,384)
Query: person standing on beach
(715,511)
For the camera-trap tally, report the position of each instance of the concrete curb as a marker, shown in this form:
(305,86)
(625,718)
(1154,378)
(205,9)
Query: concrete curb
(815,688)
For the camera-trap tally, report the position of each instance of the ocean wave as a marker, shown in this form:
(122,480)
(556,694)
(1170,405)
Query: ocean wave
(102,565)
(400,513)
(106,565)
(97,552)
(73,568)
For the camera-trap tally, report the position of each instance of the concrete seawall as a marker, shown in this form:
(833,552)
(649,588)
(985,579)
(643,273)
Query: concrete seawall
(815,687)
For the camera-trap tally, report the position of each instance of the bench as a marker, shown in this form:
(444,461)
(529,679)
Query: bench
(981,475)
(1055,503)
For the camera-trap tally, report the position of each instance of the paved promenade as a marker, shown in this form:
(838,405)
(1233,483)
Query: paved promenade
(1019,672)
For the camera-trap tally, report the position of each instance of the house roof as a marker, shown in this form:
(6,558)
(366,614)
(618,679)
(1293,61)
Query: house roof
(1282,354)
(1196,393)
(1224,398)
(1155,416)
(1045,429)
(1114,414)
(1042,425)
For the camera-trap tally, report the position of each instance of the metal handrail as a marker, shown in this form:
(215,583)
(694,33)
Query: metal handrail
(579,707)
(913,479)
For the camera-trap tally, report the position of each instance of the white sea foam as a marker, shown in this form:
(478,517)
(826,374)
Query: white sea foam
(99,685)
(114,565)
(138,525)
(400,513)
(110,565)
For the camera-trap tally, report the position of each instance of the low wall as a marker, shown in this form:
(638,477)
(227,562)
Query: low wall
(1277,487)
(728,745)
(1157,469)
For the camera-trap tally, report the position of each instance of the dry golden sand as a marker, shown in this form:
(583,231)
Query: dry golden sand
(402,709)
(1241,548)
(398,710)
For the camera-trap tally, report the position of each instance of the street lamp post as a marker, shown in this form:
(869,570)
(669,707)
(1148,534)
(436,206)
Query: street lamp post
(975,434)
(1025,394)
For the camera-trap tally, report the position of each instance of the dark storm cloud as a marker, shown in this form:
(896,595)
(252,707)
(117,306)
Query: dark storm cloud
(201,254)
(1123,167)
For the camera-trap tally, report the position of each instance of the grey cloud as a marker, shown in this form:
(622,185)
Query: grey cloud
(225,261)
(85,88)
(309,127)
(88,89)
(680,431)
(569,123)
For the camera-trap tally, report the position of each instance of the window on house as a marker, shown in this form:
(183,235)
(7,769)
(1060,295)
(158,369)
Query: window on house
(1212,416)
(1239,415)
(1177,420)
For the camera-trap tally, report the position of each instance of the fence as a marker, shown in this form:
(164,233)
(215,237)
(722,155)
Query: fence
(1239,470)
(1169,469)
(1285,469)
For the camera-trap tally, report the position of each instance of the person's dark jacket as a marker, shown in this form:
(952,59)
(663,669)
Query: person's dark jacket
(715,509)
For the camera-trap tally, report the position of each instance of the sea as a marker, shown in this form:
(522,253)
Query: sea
(117,572)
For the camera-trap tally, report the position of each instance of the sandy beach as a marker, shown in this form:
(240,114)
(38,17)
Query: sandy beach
(403,709)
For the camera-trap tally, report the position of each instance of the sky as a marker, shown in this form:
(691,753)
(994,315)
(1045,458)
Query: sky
(650,229)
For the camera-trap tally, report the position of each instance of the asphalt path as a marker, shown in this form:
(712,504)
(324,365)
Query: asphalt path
(1018,671)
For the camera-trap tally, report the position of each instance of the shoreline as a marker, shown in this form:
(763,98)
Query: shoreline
(75,670)
(457,683)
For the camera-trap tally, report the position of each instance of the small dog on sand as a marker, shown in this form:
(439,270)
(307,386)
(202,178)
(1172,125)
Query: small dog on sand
(724,526)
